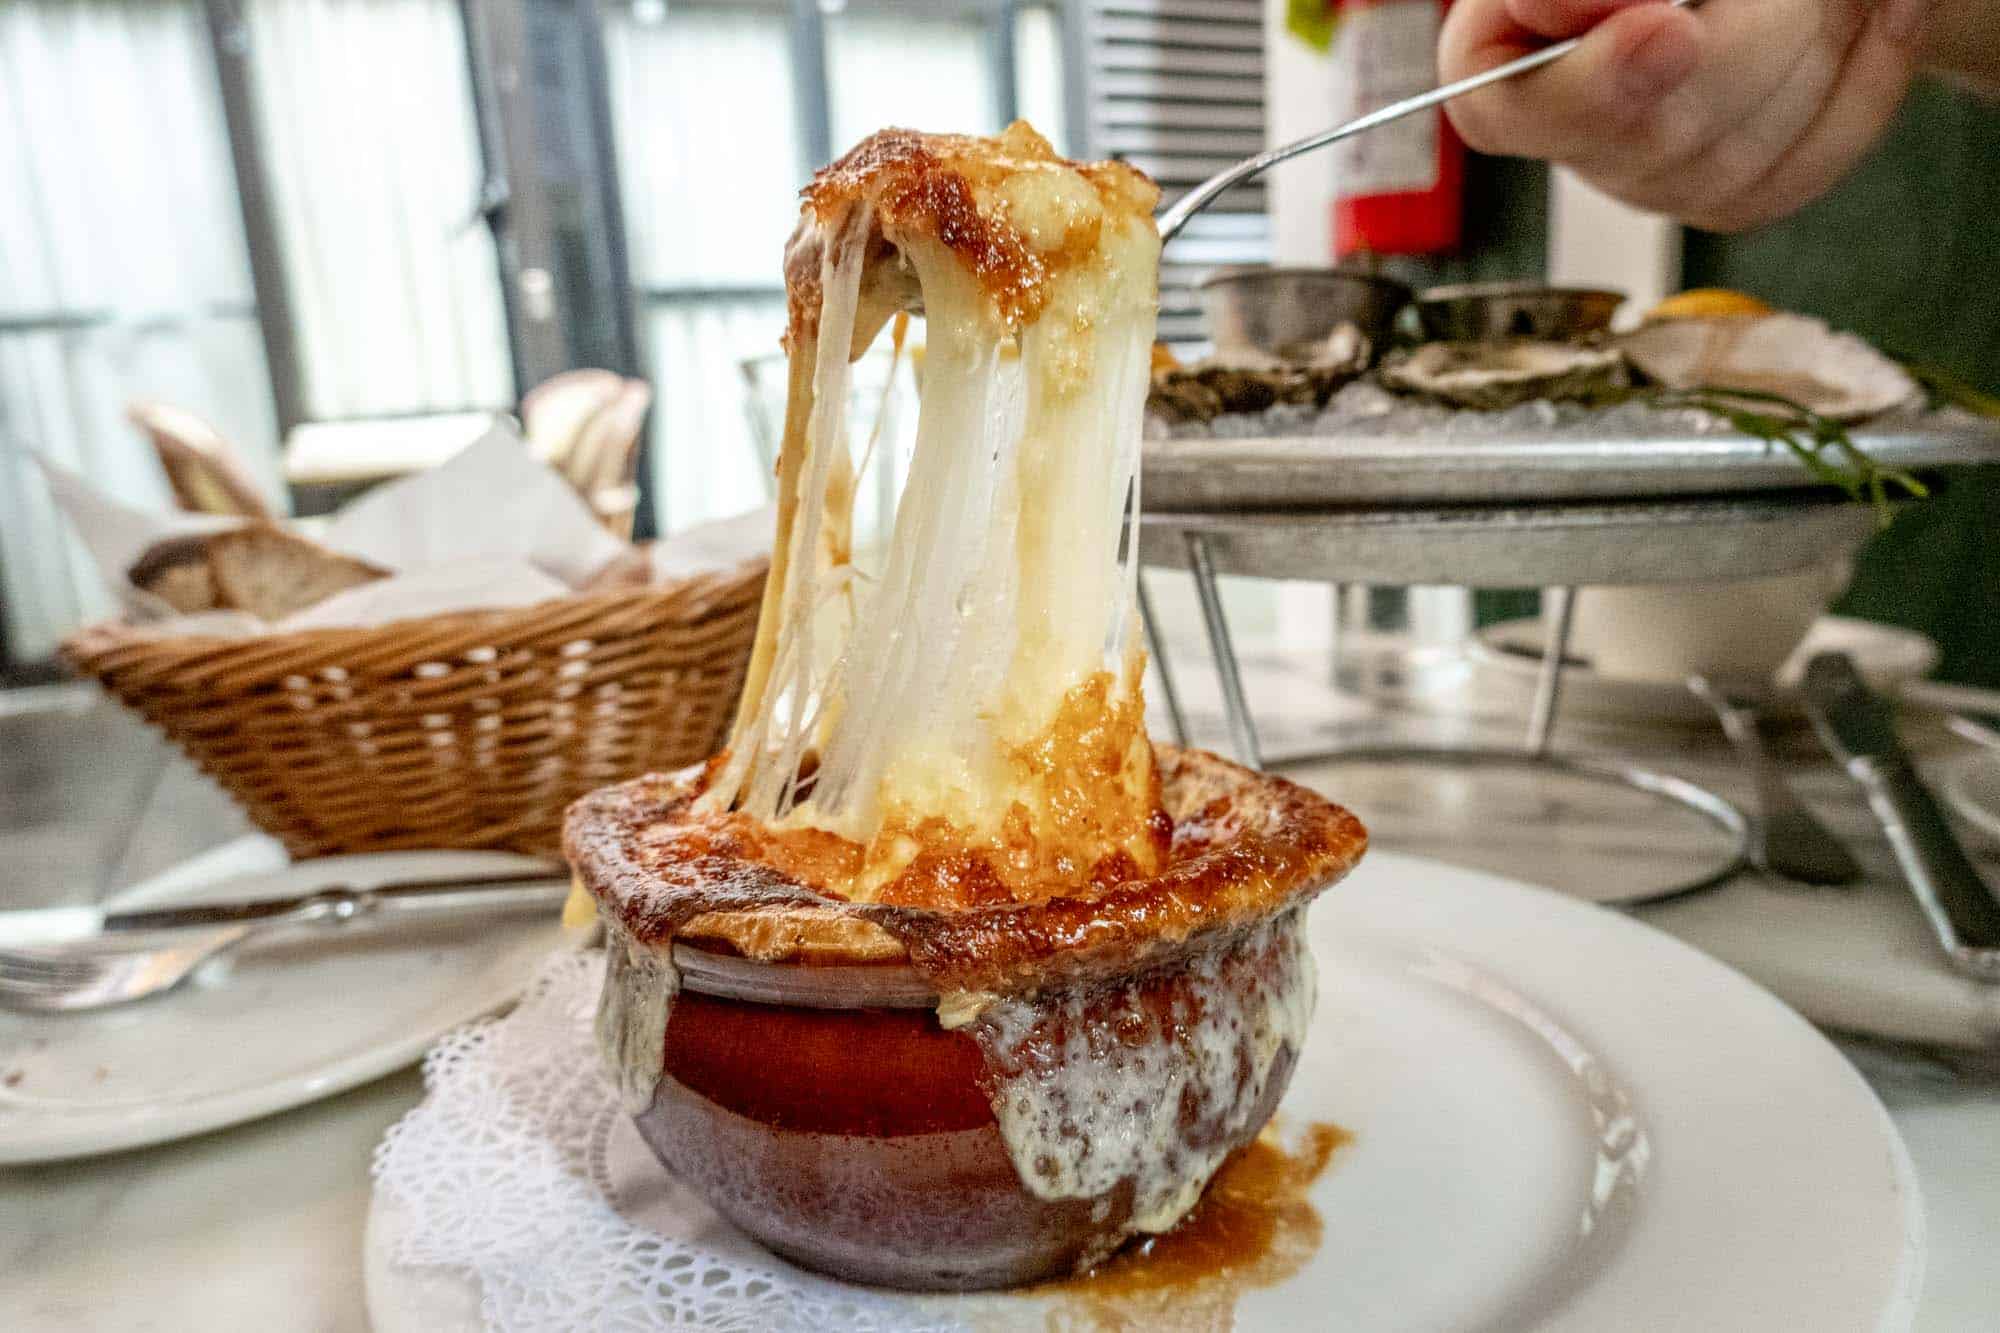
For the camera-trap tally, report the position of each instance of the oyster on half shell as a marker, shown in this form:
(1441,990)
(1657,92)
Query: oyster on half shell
(1796,356)
(1241,379)
(1494,375)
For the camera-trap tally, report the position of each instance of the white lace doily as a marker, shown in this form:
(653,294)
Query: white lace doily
(519,1176)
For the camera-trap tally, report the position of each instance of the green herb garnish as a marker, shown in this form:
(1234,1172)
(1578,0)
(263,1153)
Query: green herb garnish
(1822,444)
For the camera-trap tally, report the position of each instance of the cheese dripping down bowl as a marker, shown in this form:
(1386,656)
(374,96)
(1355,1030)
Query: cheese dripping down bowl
(963,1099)
(940,975)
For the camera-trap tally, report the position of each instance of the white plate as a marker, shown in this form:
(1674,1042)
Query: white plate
(277,1025)
(1507,657)
(1972,785)
(1563,1119)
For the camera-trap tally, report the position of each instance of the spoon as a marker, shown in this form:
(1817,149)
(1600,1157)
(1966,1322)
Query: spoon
(1204,194)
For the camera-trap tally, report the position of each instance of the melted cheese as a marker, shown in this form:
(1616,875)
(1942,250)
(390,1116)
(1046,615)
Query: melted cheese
(631,1025)
(983,695)
(1099,1087)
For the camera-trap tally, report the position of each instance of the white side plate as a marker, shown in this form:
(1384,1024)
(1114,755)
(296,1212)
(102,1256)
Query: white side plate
(278,1024)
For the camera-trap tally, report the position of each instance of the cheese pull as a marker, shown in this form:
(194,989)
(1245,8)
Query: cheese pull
(971,712)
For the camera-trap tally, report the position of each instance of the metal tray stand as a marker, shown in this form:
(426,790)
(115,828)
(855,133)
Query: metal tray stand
(1558,547)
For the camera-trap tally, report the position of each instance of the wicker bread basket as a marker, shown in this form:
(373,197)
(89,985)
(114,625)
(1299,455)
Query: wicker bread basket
(467,730)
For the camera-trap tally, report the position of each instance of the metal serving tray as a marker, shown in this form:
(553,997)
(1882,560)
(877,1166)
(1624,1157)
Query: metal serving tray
(1219,475)
(1517,546)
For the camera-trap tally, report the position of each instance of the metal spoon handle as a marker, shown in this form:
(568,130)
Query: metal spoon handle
(1204,194)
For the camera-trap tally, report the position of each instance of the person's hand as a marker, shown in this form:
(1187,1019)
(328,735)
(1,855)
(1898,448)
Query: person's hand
(1724,117)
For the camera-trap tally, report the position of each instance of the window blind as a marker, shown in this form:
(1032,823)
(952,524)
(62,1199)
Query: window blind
(1176,88)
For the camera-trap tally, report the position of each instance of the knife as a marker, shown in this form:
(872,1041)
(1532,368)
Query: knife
(1786,838)
(66,925)
(1859,729)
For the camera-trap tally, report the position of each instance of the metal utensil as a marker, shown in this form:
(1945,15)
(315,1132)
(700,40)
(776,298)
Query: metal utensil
(1485,311)
(136,954)
(1858,728)
(1949,698)
(1786,839)
(1204,194)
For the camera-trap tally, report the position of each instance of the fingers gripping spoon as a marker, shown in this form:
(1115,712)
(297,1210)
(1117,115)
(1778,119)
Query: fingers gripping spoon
(1206,193)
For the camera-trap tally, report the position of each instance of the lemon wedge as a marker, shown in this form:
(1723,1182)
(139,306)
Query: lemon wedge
(1708,303)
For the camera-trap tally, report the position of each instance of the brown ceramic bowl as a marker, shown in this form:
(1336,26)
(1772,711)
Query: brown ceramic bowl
(815,1097)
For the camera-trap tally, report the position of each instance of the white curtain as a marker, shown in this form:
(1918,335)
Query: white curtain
(706,117)
(1038,73)
(899,69)
(710,196)
(118,210)
(372,148)
(706,462)
(118,221)
(703,110)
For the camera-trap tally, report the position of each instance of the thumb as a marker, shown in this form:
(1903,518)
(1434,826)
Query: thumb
(1624,67)
(1556,19)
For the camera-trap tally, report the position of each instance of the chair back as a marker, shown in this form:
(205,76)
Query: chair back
(603,464)
(555,412)
(202,468)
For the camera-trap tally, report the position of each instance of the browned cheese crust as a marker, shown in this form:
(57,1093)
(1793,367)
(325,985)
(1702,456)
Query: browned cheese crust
(932,184)
(1245,846)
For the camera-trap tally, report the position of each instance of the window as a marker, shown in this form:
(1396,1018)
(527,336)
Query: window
(125,270)
(929,71)
(1177,88)
(353,278)
(721,112)
(123,273)
(367,138)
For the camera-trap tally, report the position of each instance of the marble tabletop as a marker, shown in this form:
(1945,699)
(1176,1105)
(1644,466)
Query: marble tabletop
(260,1226)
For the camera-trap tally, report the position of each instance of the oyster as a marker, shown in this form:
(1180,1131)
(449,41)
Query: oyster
(1242,379)
(1493,375)
(1796,356)
(1178,396)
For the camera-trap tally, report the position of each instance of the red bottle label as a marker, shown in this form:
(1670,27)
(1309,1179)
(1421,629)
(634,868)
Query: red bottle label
(1401,187)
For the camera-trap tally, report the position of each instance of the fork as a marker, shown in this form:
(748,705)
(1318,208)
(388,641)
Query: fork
(97,977)
(148,958)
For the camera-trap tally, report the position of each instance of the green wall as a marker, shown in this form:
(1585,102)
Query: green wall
(1907,252)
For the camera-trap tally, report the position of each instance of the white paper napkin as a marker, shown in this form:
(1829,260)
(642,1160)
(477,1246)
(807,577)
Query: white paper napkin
(490,501)
(722,544)
(490,528)
(116,534)
(463,585)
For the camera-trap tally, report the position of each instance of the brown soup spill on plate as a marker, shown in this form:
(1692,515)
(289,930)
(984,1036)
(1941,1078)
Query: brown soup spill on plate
(1253,1228)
